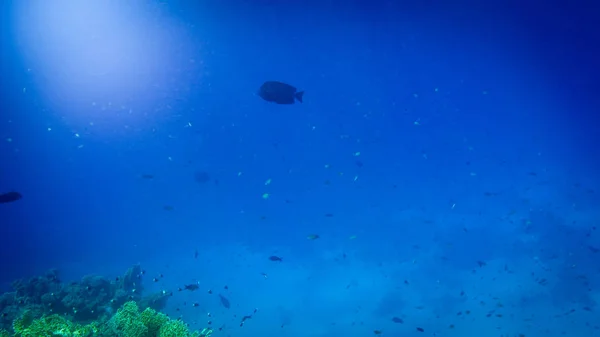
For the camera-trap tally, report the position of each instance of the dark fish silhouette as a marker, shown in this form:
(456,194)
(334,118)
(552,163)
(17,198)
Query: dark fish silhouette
(201,177)
(224,301)
(10,197)
(275,258)
(191,287)
(280,93)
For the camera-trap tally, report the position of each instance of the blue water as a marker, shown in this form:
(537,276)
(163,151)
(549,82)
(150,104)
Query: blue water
(445,154)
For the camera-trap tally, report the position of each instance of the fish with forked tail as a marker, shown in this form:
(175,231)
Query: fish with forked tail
(190,287)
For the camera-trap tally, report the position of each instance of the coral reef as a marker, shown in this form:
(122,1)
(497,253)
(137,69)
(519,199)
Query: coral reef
(128,321)
(93,298)
(53,325)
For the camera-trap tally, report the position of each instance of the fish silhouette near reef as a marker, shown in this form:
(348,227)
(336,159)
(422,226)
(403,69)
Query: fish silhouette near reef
(10,197)
(280,93)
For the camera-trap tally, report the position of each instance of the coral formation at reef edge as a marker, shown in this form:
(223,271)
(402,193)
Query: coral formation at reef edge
(44,306)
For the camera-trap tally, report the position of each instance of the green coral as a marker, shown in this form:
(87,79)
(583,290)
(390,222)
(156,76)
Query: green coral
(51,326)
(4,333)
(177,328)
(174,328)
(23,321)
(206,332)
(153,320)
(127,322)
(86,330)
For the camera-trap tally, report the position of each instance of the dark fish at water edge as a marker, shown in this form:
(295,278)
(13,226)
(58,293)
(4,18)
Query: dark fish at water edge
(10,197)
(280,93)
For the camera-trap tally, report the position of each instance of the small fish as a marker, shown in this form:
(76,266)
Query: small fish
(10,197)
(397,320)
(280,93)
(247,317)
(313,236)
(191,287)
(275,258)
(377,332)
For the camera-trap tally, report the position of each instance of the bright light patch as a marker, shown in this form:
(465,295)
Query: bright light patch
(100,60)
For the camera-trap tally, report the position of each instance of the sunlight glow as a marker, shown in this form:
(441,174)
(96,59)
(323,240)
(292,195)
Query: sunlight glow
(97,52)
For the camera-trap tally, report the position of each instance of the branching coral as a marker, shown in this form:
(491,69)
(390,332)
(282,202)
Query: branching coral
(153,320)
(174,328)
(128,321)
(53,325)
(92,298)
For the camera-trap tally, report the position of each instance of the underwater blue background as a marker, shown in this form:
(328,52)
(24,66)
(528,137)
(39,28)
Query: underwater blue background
(446,154)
